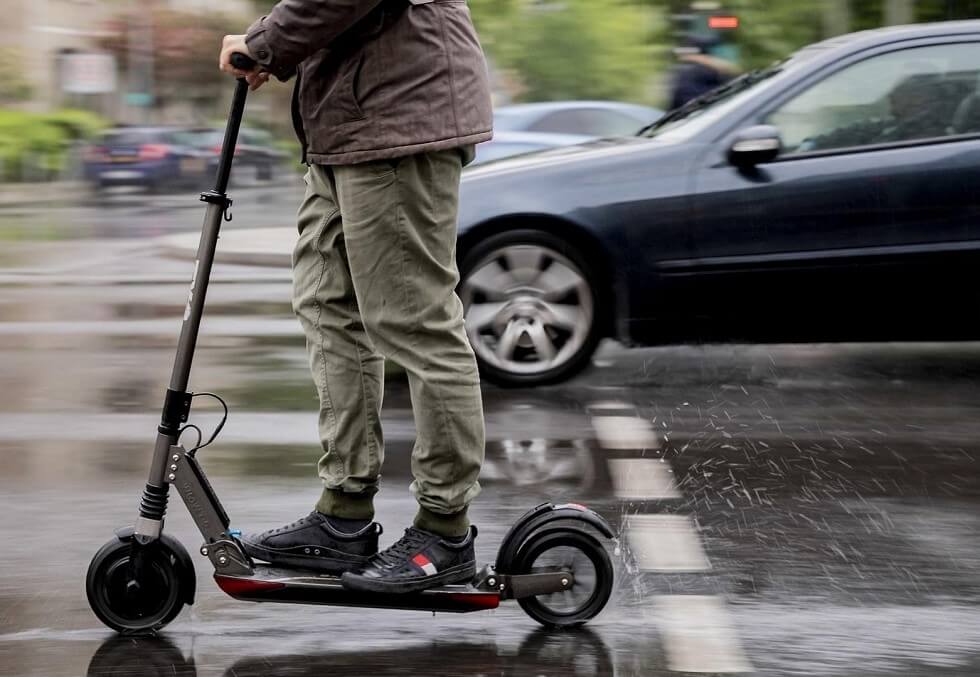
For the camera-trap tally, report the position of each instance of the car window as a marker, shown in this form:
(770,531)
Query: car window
(907,95)
(131,137)
(200,138)
(254,137)
(588,122)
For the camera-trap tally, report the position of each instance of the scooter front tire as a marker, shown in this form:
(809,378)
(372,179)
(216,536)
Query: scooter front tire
(148,602)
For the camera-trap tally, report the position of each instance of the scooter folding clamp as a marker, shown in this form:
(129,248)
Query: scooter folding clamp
(228,557)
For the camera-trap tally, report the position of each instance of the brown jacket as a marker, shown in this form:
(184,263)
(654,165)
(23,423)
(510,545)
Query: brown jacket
(377,78)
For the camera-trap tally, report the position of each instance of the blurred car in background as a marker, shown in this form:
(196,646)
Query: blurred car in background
(254,153)
(529,127)
(156,158)
(830,197)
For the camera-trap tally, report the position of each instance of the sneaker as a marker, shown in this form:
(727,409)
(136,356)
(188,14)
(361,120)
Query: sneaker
(417,561)
(313,542)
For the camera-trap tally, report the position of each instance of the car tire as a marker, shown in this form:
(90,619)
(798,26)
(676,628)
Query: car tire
(532,308)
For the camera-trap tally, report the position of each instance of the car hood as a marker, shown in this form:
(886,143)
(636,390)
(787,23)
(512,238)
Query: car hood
(563,156)
(569,182)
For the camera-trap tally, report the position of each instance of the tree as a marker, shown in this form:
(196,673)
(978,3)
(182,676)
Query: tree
(573,49)
(184,52)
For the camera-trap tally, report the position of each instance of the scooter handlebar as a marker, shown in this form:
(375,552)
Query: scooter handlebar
(243,62)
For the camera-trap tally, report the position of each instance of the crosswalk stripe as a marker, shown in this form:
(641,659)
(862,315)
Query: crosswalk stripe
(639,479)
(665,543)
(624,432)
(699,635)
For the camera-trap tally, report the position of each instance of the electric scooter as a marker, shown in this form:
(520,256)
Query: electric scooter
(550,561)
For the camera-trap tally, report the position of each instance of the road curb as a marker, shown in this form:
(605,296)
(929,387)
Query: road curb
(271,247)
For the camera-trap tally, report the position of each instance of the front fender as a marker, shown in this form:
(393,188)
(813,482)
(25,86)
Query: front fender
(539,516)
(184,563)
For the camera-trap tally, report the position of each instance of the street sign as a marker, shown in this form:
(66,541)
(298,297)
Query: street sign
(88,73)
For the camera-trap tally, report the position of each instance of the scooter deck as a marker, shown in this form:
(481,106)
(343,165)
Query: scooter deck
(272,584)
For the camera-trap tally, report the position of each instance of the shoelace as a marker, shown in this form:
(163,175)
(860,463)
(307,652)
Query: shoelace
(302,521)
(406,545)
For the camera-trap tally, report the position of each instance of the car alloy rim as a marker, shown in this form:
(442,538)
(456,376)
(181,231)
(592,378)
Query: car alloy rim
(528,309)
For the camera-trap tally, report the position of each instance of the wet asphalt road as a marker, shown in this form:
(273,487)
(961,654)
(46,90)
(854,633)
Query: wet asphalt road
(780,510)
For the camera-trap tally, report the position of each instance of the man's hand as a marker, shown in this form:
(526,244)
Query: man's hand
(236,43)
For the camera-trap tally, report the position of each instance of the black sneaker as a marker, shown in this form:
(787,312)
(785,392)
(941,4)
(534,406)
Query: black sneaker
(417,561)
(312,542)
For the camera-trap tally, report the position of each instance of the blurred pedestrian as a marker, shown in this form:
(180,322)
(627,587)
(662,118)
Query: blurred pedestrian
(391,98)
(698,72)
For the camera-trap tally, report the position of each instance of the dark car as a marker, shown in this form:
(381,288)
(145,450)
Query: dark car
(834,196)
(150,157)
(254,153)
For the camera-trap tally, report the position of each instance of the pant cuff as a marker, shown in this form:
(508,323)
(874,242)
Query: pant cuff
(346,505)
(455,524)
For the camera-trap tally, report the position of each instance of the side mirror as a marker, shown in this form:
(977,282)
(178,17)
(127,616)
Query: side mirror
(755,145)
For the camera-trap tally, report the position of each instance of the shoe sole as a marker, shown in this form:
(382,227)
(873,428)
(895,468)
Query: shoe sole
(326,565)
(462,573)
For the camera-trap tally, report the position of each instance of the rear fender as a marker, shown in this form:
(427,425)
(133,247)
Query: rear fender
(539,516)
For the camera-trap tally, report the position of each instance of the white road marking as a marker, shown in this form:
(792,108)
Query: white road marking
(624,432)
(699,635)
(665,543)
(606,405)
(642,479)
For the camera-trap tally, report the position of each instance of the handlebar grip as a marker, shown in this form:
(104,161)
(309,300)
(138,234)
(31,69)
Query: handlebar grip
(243,62)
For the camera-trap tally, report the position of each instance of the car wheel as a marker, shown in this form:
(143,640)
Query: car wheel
(531,308)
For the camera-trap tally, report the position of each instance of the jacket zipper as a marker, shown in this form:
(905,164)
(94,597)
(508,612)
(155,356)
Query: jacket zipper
(297,116)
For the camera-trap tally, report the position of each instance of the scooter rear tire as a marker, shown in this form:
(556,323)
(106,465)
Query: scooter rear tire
(541,608)
(154,602)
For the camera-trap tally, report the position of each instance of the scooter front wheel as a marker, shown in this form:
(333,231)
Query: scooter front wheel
(578,552)
(140,598)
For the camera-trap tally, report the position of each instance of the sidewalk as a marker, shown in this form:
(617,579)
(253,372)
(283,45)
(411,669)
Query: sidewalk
(26,194)
(245,246)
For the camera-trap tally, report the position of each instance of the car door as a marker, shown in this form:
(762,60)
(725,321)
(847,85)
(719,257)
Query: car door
(865,225)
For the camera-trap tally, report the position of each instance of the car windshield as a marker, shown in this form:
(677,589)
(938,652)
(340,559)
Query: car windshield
(711,100)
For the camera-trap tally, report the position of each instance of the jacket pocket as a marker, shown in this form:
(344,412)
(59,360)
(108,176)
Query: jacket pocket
(341,105)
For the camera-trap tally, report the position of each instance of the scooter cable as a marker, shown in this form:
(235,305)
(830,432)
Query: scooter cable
(221,424)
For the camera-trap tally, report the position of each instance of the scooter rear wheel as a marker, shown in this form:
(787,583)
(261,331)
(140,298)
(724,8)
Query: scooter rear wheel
(141,604)
(566,549)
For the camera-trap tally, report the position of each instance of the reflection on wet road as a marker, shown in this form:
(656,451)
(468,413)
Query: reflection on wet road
(780,510)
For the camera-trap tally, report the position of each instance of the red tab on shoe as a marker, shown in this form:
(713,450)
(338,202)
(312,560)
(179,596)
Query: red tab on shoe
(423,563)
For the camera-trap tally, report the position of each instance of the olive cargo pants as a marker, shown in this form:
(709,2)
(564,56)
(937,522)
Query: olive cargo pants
(374,277)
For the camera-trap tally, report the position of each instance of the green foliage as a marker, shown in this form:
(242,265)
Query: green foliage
(77,124)
(573,49)
(771,30)
(36,145)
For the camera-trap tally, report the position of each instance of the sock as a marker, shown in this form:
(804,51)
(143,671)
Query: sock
(455,539)
(346,526)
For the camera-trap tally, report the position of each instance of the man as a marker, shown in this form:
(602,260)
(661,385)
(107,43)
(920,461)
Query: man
(698,72)
(391,97)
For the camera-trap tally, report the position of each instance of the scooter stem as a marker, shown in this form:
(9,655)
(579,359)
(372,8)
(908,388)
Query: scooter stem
(218,204)
(231,136)
(177,403)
